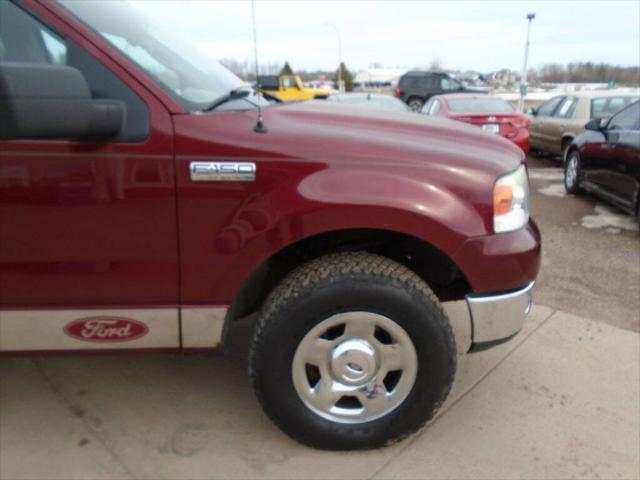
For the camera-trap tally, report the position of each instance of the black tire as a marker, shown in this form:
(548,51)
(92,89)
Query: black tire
(415,104)
(350,282)
(572,180)
(564,148)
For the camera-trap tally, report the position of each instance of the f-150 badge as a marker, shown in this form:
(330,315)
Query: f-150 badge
(222,171)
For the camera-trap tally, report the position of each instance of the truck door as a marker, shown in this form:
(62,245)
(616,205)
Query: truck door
(87,229)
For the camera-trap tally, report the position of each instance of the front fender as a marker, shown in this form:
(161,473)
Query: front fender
(396,201)
(338,199)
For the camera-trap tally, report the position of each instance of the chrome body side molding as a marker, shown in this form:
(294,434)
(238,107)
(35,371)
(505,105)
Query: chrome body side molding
(111,329)
(202,326)
(89,329)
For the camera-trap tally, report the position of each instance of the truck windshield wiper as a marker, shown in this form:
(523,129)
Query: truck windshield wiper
(235,94)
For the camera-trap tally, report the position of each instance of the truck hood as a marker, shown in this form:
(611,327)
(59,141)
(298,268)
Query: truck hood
(339,134)
(345,133)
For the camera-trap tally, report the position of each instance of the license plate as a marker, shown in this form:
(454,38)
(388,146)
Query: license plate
(491,127)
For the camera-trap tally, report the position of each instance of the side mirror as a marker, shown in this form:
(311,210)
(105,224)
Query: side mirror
(531,111)
(53,102)
(596,124)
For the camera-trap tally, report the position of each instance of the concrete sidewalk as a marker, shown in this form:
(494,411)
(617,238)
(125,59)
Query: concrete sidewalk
(561,400)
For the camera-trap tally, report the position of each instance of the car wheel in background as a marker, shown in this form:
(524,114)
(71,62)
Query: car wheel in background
(352,351)
(572,172)
(566,145)
(415,104)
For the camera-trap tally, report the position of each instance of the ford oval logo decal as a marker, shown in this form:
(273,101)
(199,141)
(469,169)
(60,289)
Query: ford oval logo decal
(105,328)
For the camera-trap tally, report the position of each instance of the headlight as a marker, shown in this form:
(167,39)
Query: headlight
(511,201)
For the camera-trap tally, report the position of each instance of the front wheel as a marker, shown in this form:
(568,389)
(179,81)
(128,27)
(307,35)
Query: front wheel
(352,351)
(572,172)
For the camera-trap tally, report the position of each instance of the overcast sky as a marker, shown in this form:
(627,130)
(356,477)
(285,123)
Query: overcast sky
(476,35)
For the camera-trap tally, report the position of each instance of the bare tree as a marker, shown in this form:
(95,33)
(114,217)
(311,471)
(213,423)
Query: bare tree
(586,72)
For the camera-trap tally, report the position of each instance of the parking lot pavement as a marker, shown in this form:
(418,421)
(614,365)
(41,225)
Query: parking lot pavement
(590,252)
(562,405)
(558,401)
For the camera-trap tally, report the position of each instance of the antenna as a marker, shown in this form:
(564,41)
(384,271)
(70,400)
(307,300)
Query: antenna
(260,127)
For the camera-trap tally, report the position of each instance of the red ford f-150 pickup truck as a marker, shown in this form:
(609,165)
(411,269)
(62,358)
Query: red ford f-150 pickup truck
(144,206)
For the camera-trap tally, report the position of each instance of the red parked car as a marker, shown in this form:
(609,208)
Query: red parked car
(492,114)
(147,203)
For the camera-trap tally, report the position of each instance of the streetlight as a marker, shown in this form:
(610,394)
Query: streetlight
(340,86)
(523,77)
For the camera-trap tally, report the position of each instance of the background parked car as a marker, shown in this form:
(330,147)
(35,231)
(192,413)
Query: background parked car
(375,100)
(491,113)
(415,87)
(290,88)
(559,120)
(605,160)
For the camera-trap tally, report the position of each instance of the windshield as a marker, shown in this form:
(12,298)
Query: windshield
(379,101)
(194,79)
(604,107)
(479,105)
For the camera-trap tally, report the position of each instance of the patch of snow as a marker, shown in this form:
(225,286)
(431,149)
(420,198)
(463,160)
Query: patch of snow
(610,219)
(613,230)
(554,190)
(546,173)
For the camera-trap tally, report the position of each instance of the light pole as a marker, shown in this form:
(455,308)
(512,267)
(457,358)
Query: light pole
(340,86)
(523,77)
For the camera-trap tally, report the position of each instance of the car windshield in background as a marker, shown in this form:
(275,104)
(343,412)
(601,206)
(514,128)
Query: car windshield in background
(377,101)
(194,79)
(479,105)
(606,106)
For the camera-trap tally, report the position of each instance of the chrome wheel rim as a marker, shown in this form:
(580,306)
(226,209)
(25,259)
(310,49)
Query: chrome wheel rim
(354,367)
(572,171)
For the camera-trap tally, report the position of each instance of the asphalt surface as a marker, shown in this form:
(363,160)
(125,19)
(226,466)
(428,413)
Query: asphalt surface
(591,251)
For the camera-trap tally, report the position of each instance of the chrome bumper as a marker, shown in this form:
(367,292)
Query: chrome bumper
(497,318)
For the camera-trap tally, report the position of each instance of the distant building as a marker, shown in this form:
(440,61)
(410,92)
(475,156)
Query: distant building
(504,77)
(321,82)
(378,77)
(470,78)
